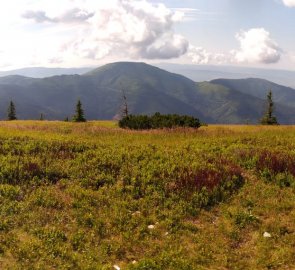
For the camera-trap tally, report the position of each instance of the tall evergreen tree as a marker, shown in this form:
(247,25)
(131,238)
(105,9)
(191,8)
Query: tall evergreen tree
(11,113)
(41,117)
(79,116)
(269,118)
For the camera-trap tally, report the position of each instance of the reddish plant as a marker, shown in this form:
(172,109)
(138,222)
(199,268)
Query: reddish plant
(276,162)
(208,177)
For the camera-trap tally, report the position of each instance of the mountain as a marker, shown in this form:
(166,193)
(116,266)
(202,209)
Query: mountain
(100,92)
(17,80)
(42,72)
(148,89)
(228,106)
(259,88)
(199,73)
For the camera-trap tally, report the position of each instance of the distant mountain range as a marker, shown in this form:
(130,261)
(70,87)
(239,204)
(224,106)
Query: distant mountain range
(42,72)
(199,73)
(148,89)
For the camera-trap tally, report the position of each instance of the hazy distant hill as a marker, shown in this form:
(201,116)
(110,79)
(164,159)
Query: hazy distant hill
(42,72)
(199,73)
(148,90)
(259,88)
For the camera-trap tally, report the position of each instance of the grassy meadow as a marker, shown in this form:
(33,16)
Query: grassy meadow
(93,196)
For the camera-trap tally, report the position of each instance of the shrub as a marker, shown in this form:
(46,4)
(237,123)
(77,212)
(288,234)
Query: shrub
(242,219)
(158,121)
(276,162)
(9,192)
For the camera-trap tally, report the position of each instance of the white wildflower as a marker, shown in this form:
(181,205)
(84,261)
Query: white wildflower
(266,235)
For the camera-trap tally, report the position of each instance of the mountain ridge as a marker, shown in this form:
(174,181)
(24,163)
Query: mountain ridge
(259,88)
(149,89)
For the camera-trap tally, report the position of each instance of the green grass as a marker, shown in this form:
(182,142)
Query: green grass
(84,196)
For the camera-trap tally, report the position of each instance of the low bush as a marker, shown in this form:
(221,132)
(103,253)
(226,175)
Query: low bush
(158,120)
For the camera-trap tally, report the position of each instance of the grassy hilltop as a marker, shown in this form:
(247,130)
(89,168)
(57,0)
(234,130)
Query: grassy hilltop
(91,196)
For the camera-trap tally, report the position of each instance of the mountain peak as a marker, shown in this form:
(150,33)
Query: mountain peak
(121,67)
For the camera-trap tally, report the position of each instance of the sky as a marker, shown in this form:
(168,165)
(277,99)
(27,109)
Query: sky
(78,33)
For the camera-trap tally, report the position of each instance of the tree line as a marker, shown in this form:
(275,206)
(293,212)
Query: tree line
(77,117)
(155,121)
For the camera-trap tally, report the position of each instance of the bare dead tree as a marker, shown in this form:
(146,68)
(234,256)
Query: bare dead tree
(125,110)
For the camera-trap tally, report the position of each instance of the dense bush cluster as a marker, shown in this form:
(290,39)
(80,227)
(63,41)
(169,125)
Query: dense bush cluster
(159,121)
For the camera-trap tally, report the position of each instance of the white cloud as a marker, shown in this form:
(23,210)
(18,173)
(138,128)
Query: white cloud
(74,15)
(134,29)
(199,55)
(256,46)
(83,32)
(289,3)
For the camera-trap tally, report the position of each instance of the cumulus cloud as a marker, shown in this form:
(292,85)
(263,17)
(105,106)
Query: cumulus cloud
(89,30)
(74,15)
(140,28)
(199,55)
(289,3)
(133,29)
(39,16)
(256,46)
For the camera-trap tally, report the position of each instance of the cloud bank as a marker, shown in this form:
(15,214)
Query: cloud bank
(289,3)
(137,28)
(87,31)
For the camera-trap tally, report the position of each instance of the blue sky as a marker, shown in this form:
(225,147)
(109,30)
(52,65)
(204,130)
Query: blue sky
(226,17)
(72,33)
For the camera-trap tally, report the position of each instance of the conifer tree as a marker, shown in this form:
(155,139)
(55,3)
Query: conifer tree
(11,113)
(79,116)
(269,118)
(41,117)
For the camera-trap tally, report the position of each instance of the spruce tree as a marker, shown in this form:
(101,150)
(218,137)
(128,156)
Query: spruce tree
(79,116)
(41,117)
(269,118)
(11,113)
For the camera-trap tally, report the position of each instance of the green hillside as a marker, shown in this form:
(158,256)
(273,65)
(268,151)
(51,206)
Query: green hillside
(226,105)
(148,90)
(259,88)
